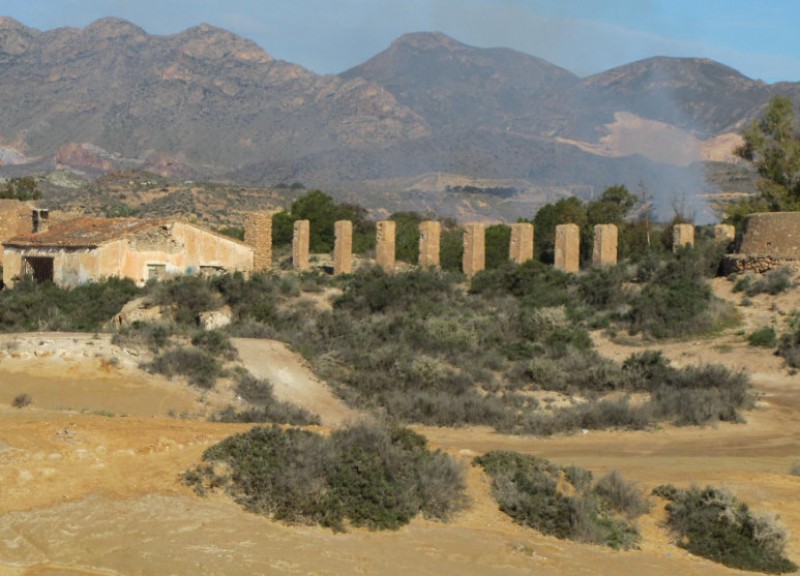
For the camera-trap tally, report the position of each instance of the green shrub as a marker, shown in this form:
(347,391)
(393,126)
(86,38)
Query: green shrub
(603,288)
(188,296)
(713,524)
(216,343)
(789,343)
(764,337)
(677,300)
(278,413)
(21,400)
(153,335)
(365,475)
(697,395)
(30,306)
(200,368)
(536,284)
(373,290)
(531,491)
(772,282)
(644,370)
(625,497)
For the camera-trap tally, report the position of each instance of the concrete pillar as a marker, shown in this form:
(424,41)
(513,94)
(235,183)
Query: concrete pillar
(385,244)
(521,247)
(724,233)
(343,247)
(682,235)
(301,242)
(568,248)
(604,251)
(258,234)
(430,232)
(474,258)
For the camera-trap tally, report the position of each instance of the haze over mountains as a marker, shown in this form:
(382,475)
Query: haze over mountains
(426,113)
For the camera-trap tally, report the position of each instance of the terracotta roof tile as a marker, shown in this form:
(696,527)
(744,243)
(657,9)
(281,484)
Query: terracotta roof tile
(84,232)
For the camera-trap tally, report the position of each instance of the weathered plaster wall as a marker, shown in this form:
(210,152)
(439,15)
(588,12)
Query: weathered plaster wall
(183,249)
(12,266)
(70,266)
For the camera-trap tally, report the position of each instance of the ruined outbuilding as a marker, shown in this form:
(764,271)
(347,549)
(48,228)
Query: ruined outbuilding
(84,249)
(767,240)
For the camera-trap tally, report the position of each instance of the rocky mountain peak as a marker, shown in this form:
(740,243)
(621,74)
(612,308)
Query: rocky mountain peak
(209,42)
(426,41)
(108,28)
(8,23)
(15,37)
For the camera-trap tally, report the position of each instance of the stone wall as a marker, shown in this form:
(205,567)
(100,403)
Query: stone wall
(568,248)
(520,249)
(682,235)
(430,233)
(474,258)
(258,234)
(775,234)
(301,241)
(343,247)
(724,233)
(385,247)
(604,250)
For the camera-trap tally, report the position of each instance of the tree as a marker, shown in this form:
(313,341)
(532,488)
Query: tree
(566,211)
(25,188)
(322,212)
(612,207)
(772,146)
(407,236)
(498,239)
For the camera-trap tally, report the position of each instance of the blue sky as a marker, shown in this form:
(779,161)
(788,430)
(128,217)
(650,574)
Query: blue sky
(759,39)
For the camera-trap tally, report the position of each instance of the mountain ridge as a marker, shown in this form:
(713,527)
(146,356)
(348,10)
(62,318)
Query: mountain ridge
(206,103)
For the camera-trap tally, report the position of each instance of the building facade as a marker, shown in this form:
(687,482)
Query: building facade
(86,249)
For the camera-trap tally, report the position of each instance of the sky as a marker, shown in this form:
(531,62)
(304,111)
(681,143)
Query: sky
(584,36)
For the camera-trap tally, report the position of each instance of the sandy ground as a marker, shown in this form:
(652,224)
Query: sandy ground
(292,380)
(90,471)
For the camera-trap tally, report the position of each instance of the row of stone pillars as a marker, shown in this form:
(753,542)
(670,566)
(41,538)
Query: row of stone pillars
(258,233)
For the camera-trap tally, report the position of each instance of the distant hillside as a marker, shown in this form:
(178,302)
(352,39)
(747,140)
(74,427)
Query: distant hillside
(205,103)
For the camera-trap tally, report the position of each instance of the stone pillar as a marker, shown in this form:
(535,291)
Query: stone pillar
(604,251)
(474,258)
(301,242)
(258,234)
(568,247)
(385,244)
(682,235)
(343,247)
(521,247)
(724,233)
(430,232)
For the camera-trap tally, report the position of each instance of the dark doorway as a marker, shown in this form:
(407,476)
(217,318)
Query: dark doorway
(40,267)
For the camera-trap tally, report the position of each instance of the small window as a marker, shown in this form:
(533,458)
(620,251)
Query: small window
(156,271)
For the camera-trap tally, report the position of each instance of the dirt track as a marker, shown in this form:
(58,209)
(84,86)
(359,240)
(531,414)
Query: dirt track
(84,492)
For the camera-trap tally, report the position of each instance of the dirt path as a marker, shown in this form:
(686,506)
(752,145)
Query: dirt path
(291,379)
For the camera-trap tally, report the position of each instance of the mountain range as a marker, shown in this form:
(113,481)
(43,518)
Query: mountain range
(427,116)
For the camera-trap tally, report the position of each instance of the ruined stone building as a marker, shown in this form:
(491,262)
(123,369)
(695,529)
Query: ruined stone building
(83,249)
